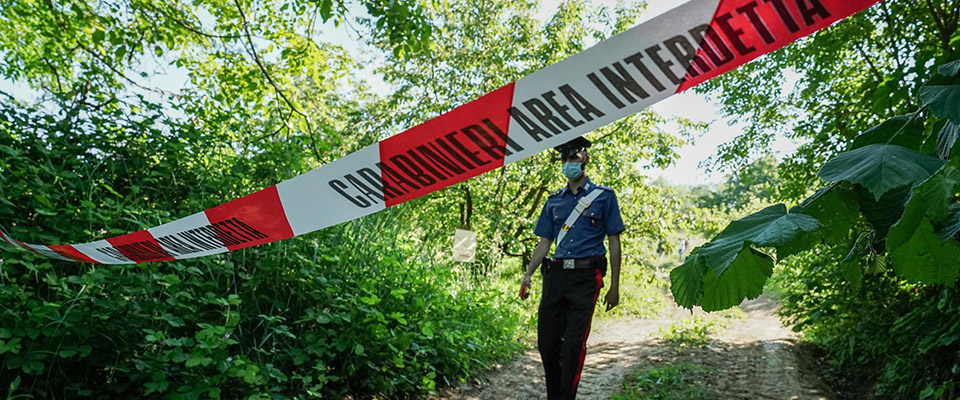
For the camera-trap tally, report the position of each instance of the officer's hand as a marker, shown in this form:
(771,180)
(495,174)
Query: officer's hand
(525,287)
(612,298)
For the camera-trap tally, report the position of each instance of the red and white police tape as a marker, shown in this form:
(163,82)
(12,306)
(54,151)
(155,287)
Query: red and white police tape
(673,52)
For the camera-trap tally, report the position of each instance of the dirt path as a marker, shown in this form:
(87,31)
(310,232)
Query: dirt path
(755,359)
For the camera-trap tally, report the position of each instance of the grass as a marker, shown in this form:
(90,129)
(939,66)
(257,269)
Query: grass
(669,382)
(694,332)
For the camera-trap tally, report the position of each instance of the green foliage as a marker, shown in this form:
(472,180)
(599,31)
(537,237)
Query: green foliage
(723,272)
(902,130)
(323,315)
(901,193)
(758,181)
(880,168)
(502,206)
(670,382)
(642,293)
(872,98)
(886,337)
(826,89)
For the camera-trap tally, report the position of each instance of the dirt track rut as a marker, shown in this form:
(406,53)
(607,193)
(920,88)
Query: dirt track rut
(757,358)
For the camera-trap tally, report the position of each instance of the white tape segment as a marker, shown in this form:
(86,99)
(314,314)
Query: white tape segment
(620,76)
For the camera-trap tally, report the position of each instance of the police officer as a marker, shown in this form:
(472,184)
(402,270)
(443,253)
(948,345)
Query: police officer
(577,217)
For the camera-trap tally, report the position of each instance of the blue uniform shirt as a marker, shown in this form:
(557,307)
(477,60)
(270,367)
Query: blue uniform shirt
(585,239)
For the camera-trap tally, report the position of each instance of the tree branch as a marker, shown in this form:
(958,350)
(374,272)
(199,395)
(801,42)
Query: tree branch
(256,58)
(189,27)
(873,68)
(122,75)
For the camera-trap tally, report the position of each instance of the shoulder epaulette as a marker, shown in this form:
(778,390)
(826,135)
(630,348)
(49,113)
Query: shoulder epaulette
(605,188)
(556,192)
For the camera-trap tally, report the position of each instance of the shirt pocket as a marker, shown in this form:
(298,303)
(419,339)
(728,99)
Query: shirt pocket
(593,220)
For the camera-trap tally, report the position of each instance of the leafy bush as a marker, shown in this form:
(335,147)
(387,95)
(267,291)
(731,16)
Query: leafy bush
(348,310)
(888,337)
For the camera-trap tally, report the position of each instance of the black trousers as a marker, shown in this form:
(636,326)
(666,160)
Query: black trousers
(566,309)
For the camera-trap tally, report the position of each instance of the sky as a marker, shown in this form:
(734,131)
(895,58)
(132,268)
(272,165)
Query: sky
(687,171)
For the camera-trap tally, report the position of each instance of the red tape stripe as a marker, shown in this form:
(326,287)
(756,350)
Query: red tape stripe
(742,30)
(253,219)
(140,247)
(72,253)
(463,143)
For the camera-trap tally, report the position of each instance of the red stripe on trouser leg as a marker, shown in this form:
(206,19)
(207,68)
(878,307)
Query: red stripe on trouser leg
(583,347)
(448,149)
(71,253)
(742,30)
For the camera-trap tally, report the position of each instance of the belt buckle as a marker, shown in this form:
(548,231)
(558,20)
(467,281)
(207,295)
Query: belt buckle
(569,263)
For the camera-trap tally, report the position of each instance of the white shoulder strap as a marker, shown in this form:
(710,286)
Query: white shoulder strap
(581,206)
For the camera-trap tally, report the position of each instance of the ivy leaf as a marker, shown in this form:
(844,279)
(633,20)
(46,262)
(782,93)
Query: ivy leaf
(743,279)
(911,136)
(686,281)
(925,259)
(947,138)
(880,167)
(944,101)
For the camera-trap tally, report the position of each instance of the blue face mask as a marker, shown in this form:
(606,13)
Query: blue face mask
(572,170)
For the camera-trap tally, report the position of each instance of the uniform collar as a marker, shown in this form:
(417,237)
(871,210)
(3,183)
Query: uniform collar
(585,186)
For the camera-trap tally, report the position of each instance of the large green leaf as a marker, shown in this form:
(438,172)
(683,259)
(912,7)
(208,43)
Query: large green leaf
(929,199)
(947,138)
(924,258)
(950,69)
(772,226)
(893,131)
(723,272)
(686,281)
(943,100)
(880,167)
(744,279)
(836,208)
(802,242)
(882,213)
(937,192)
(952,224)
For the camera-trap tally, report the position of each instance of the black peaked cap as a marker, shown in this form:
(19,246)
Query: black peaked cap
(572,147)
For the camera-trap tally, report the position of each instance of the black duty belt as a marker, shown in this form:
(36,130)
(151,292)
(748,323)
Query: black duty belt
(575,263)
